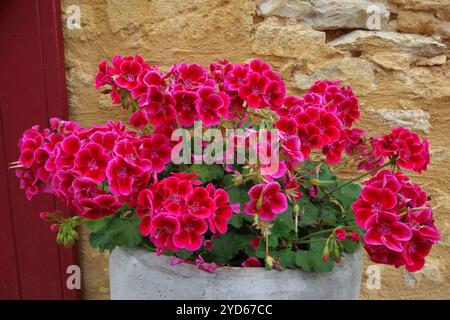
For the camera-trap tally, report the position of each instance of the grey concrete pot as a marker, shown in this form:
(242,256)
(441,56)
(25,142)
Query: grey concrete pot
(140,274)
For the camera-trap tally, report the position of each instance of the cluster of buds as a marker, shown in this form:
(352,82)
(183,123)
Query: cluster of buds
(64,227)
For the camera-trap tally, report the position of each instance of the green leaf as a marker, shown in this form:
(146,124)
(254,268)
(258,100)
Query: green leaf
(347,194)
(309,213)
(328,215)
(350,246)
(311,260)
(287,258)
(101,241)
(325,173)
(183,254)
(96,225)
(236,220)
(206,173)
(316,249)
(124,232)
(283,224)
(303,260)
(238,194)
(226,247)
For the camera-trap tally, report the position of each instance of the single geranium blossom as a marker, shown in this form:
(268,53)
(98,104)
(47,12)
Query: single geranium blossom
(101,206)
(163,228)
(266,201)
(384,228)
(92,161)
(191,232)
(121,176)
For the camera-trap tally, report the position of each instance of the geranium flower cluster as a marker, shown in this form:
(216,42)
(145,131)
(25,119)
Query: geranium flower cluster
(399,222)
(190,92)
(108,169)
(405,147)
(177,211)
(92,171)
(322,119)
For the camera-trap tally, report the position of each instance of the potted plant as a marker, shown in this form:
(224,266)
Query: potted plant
(222,187)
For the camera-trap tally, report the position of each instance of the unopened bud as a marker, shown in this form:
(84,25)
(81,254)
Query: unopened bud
(296,209)
(237,179)
(269,261)
(326,254)
(54,228)
(44,216)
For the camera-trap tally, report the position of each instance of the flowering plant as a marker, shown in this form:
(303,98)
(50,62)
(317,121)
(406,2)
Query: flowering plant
(132,187)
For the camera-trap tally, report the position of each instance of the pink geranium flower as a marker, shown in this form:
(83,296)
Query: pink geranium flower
(128,151)
(385,229)
(266,201)
(191,233)
(101,206)
(251,262)
(176,193)
(200,204)
(291,147)
(190,77)
(164,226)
(121,175)
(406,147)
(372,201)
(211,106)
(91,160)
(126,71)
(218,220)
(159,107)
(185,105)
(317,127)
(415,252)
(341,234)
(157,150)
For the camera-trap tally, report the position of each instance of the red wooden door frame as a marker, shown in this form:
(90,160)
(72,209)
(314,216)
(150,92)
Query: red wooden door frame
(32,89)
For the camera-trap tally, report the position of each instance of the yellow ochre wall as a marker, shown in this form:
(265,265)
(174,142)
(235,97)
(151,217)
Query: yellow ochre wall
(401,76)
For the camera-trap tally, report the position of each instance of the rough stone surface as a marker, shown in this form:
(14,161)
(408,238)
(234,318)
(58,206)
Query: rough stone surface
(417,120)
(329,15)
(290,41)
(139,275)
(352,71)
(285,8)
(417,22)
(390,71)
(376,41)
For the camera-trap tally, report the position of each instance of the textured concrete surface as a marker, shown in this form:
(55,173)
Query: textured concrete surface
(401,75)
(138,274)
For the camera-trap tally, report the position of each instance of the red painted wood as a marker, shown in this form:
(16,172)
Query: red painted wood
(9,279)
(33,88)
(57,105)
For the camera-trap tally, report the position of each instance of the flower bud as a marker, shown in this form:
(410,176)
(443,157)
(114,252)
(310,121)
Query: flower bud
(54,228)
(296,209)
(326,254)
(269,261)
(44,216)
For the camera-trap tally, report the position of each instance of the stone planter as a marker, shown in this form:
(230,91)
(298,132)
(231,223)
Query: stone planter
(139,274)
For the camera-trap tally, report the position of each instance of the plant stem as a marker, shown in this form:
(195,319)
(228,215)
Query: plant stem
(360,177)
(325,231)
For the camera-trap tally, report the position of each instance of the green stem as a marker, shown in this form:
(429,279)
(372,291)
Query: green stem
(326,231)
(360,177)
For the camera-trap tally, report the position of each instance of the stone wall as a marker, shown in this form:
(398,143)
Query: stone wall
(393,53)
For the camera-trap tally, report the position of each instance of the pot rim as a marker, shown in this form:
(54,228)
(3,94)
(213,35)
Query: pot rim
(142,256)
